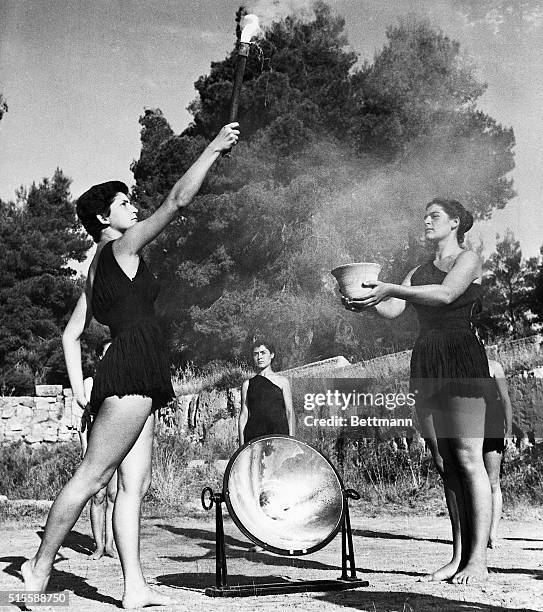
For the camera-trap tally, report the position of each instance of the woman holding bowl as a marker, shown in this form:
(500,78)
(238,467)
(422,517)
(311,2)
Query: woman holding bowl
(449,375)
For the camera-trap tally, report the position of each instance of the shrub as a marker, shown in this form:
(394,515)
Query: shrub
(40,472)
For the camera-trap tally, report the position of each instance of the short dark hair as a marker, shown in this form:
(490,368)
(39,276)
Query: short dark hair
(262,342)
(455,210)
(97,201)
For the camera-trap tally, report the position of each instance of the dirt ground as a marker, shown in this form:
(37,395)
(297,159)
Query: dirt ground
(392,552)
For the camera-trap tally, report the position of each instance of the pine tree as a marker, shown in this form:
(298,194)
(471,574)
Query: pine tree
(334,164)
(39,236)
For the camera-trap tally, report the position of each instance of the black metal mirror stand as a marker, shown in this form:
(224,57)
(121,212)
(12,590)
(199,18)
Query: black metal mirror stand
(347,580)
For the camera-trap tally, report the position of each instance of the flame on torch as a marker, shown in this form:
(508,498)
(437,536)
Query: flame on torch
(250,28)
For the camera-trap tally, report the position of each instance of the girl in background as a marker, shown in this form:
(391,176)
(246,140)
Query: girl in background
(266,399)
(102,503)
(499,425)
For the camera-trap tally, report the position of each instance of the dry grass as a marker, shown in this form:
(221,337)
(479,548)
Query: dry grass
(404,480)
(28,472)
(181,468)
(518,355)
(216,375)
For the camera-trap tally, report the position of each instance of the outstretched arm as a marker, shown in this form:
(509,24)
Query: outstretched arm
(389,308)
(136,237)
(467,268)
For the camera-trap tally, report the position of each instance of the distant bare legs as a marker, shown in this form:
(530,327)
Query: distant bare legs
(493,461)
(101,513)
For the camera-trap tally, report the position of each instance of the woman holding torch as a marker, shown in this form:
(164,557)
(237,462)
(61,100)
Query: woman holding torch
(449,374)
(132,380)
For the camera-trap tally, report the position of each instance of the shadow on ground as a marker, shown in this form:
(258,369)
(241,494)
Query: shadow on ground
(200,580)
(61,581)
(76,541)
(366,533)
(239,549)
(536,573)
(416,602)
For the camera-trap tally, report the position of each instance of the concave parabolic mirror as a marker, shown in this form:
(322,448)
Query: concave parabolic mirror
(284,495)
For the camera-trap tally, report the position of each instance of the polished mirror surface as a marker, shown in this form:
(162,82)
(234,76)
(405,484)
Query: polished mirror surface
(284,495)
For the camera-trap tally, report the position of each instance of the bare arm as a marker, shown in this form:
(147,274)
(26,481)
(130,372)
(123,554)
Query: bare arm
(86,421)
(389,308)
(467,268)
(243,413)
(136,237)
(71,342)
(393,306)
(87,386)
(501,383)
(287,398)
(83,441)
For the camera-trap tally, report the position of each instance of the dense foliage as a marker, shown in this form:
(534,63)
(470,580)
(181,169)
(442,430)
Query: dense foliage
(335,164)
(512,288)
(38,237)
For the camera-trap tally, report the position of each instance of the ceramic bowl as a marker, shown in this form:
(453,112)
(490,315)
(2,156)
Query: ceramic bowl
(350,278)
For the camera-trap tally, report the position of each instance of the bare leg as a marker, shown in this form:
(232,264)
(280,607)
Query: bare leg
(468,457)
(111,494)
(134,478)
(117,426)
(492,461)
(428,412)
(98,522)
(452,492)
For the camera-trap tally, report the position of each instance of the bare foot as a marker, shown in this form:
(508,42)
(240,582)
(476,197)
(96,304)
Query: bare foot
(97,554)
(494,542)
(475,572)
(146,597)
(33,580)
(443,573)
(110,552)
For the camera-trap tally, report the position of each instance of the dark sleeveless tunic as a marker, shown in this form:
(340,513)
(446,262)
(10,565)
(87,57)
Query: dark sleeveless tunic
(136,362)
(448,356)
(267,410)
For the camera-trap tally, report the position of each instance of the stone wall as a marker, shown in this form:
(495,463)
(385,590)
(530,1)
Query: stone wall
(526,393)
(52,415)
(49,416)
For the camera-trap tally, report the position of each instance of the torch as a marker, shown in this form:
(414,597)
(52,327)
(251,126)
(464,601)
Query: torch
(249,29)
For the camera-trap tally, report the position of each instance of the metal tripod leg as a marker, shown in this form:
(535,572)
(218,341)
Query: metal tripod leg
(220,561)
(209,498)
(347,548)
